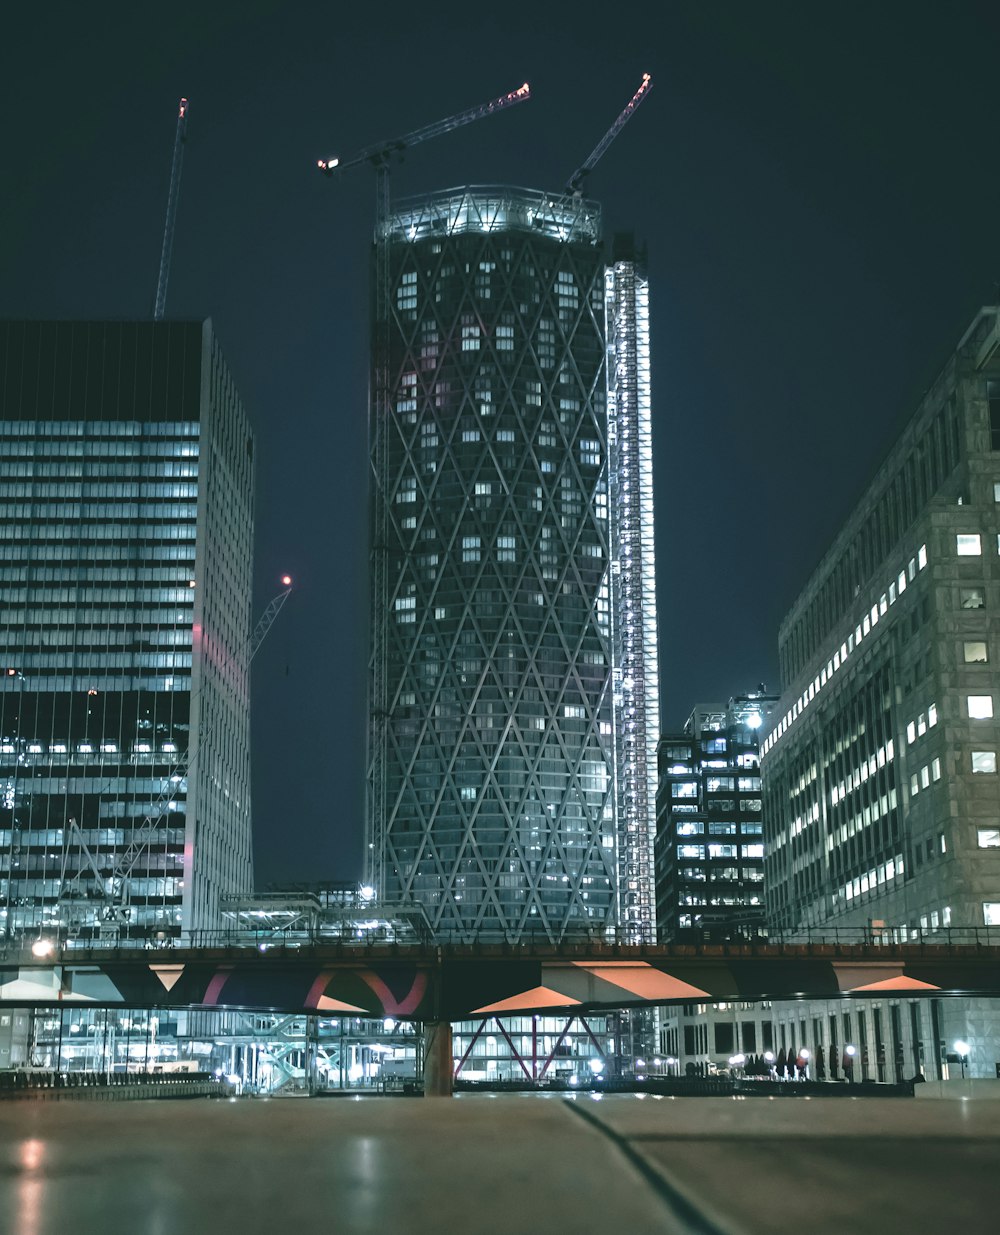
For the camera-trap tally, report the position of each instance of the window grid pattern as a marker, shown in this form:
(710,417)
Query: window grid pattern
(635,652)
(104,595)
(497,779)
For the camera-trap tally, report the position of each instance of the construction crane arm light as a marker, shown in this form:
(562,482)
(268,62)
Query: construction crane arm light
(381,151)
(576,182)
(180,137)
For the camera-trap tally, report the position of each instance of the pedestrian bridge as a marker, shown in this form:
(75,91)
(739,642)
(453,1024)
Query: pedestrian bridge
(427,983)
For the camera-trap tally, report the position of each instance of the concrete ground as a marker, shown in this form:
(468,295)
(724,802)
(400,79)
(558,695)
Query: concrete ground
(617,1165)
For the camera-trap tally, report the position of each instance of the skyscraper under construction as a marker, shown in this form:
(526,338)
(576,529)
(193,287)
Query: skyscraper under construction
(513,685)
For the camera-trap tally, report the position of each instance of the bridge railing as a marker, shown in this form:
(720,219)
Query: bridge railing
(42,947)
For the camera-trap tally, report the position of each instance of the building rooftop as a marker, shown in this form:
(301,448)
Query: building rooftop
(500,208)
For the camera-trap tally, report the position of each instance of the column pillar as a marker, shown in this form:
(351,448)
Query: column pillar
(439,1080)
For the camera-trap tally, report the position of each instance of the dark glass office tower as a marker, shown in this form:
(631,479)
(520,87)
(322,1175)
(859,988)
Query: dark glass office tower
(126,496)
(492,779)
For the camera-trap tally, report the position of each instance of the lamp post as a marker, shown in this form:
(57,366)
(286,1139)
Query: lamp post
(803,1063)
(962,1051)
(849,1053)
(769,1060)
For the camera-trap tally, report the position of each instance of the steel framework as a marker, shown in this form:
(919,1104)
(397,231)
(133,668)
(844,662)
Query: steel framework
(634,640)
(173,193)
(94,895)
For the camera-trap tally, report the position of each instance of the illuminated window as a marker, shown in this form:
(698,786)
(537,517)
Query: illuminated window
(971,598)
(968,544)
(975,652)
(991,913)
(984,761)
(988,838)
(980,707)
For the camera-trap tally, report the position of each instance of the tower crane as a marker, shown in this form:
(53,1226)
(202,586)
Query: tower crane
(380,157)
(380,154)
(111,889)
(576,183)
(172,194)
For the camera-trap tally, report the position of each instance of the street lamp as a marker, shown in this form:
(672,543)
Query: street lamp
(849,1053)
(804,1057)
(769,1060)
(42,947)
(962,1051)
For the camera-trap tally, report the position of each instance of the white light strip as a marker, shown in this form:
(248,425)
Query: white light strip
(836,662)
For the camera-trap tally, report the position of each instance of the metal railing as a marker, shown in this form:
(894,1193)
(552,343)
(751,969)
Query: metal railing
(41,948)
(24,1081)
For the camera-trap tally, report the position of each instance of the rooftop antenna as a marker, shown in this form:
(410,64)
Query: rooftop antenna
(172,195)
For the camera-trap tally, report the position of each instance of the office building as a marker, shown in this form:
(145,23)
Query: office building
(881,789)
(126,541)
(513,696)
(710,844)
(882,798)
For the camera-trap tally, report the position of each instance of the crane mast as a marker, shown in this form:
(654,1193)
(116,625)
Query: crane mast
(575,184)
(380,156)
(172,194)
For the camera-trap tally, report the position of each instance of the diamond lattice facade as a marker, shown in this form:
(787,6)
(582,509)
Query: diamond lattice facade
(494,778)
(126,489)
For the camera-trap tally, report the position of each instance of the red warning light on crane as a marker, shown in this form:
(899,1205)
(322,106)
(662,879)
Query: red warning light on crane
(286,580)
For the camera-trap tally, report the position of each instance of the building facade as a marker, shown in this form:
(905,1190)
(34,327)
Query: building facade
(882,798)
(710,843)
(510,781)
(126,493)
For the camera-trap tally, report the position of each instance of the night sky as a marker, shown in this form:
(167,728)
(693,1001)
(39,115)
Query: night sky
(818,185)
